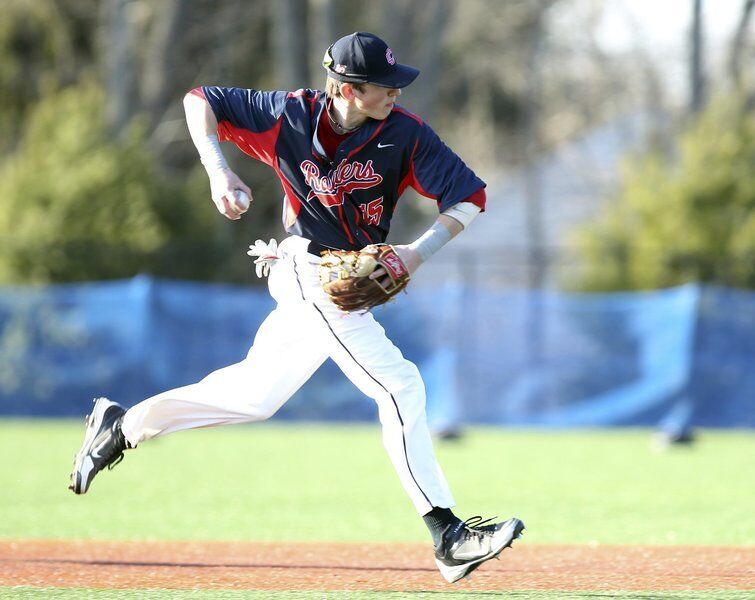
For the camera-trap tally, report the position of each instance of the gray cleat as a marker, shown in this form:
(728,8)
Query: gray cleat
(103,444)
(465,546)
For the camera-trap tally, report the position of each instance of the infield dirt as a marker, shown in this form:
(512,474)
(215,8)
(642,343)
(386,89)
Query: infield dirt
(354,566)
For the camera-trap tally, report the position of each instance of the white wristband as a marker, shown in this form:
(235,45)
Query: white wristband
(431,241)
(463,212)
(210,153)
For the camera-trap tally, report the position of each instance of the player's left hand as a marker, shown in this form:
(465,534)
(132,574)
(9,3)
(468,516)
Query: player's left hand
(408,256)
(347,276)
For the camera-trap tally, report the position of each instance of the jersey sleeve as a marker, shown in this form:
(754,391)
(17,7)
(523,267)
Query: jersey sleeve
(248,118)
(439,173)
(479,199)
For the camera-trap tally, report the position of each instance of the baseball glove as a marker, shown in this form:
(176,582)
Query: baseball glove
(345,276)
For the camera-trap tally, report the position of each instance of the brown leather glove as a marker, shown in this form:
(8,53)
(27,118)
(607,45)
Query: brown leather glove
(345,276)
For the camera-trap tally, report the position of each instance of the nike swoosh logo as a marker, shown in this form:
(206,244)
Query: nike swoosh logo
(96,451)
(385,145)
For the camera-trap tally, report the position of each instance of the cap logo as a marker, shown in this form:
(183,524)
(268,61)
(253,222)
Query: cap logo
(340,69)
(389,57)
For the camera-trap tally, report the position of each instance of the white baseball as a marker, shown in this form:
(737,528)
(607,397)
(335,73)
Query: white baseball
(241,200)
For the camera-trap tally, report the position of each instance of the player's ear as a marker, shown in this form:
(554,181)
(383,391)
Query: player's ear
(347,91)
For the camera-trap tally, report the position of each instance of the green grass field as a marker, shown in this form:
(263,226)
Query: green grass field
(335,483)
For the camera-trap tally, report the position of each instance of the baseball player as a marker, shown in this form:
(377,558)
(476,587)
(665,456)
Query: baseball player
(343,157)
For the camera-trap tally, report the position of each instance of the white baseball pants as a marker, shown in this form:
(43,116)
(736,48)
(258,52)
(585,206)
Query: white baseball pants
(304,329)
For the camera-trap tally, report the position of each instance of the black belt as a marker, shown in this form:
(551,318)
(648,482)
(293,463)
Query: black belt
(318,249)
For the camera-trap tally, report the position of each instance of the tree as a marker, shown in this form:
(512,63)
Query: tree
(739,44)
(290,44)
(43,43)
(78,205)
(691,218)
(696,67)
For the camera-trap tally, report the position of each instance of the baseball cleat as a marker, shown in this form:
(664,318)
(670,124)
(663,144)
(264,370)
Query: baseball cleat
(465,546)
(103,444)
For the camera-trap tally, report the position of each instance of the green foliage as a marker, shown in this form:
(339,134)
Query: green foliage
(690,219)
(42,43)
(76,204)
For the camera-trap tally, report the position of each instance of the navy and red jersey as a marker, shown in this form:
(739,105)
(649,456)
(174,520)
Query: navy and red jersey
(347,200)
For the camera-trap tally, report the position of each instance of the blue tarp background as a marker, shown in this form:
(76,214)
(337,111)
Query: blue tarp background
(680,356)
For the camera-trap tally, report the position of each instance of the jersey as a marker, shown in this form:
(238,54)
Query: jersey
(345,201)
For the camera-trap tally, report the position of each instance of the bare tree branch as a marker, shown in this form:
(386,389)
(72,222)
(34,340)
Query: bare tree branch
(739,43)
(289,44)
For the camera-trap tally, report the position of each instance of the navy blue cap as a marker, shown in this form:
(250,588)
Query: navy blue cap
(365,58)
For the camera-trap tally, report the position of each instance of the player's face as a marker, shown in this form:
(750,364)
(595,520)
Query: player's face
(375,101)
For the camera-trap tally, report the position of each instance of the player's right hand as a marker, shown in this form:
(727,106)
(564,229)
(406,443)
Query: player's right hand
(223,184)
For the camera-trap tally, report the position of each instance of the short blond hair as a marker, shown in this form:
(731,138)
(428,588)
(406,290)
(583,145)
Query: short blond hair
(333,87)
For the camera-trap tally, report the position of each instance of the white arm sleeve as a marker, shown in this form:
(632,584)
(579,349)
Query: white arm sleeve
(438,235)
(210,153)
(431,241)
(463,212)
